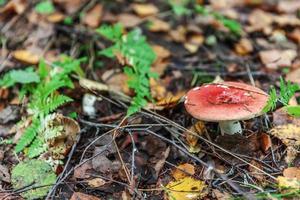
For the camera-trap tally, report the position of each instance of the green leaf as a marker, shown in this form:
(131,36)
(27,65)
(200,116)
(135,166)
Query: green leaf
(271,104)
(43,71)
(20,76)
(293,110)
(45,7)
(112,33)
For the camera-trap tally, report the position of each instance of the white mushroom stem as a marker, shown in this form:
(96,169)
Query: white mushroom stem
(230,127)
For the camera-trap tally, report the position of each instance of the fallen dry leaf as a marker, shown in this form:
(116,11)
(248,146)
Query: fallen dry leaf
(259,20)
(4,174)
(183,171)
(55,17)
(194,42)
(276,58)
(290,136)
(281,117)
(178,34)
(293,76)
(243,47)
(26,56)
(82,196)
(158,90)
(295,35)
(70,6)
(157,25)
(144,10)
(16,6)
(96,182)
(93,17)
(129,20)
(221,195)
(292,172)
(82,171)
(192,140)
(186,188)
(265,142)
(288,6)
(255,172)
(288,185)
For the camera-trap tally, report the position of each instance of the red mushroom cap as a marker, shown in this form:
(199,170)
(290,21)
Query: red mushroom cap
(226,101)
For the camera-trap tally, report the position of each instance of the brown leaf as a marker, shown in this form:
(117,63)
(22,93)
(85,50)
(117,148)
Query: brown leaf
(96,182)
(221,195)
(192,140)
(82,171)
(276,58)
(265,142)
(55,17)
(259,20)
(70,6)
(26,56)
(292,172)
(82,196)
(290,136)
(93,17)
(16,6)
(294,76)
(161,162)
(157,25)
(243,47)
(4,174)
(129,20)
(144,10)
(178,34)
(158,90)
(288,6)
(281,117)
(295,35)
(255,172)
(183,170)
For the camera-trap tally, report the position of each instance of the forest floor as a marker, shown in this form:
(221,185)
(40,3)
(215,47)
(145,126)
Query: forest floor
(92,98)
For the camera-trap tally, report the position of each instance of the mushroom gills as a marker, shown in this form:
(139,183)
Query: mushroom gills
(230,127)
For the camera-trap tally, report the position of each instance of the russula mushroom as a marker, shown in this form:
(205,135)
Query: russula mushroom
(226,103)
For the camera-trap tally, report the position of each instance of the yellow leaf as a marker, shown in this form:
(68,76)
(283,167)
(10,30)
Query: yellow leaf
(289,134)
(55,17)
(187,188)
(144,10)
(183,170)
(290,184)
(96,182)
(192,140)
(26,56)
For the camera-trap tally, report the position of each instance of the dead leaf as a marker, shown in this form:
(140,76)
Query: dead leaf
(178,34)
(295,35)
(158,91)
(185,189)
(221,195)
(243,47)
(288,185)
(170,100)
(192,140)
(183,171)
(144,10)
(194,42)
(55,17)
(161,52)
(92,18)
(255,172)
(290,136)
(128,20)
(4,174)
(265,142)
(161,162)
(82,196)
(70,6)
(292,172)
(16,6)
(276,58)
(157,25)
(96,182)
(259,20)
(26,56)
(281,117)
(82,171)
(293,76)
(290,6)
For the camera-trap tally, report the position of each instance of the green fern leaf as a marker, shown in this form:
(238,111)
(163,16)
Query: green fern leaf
(28,135)
(36,148)
(54,102)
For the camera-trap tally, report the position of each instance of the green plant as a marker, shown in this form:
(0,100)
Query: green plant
(2,2)
(286,91)
(42,86)
(45,7)
(33,173)
(179,7)
(138,58)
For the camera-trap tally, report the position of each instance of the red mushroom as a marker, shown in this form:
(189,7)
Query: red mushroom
(226,103)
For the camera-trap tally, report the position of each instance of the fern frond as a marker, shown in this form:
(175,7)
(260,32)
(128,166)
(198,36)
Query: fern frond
(45,90)
(53,103)
(36,148)
(28,135)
